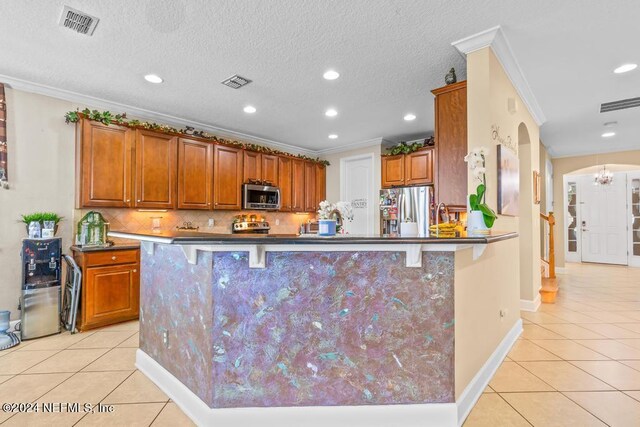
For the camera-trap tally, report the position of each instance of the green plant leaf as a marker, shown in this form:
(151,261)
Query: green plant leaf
(488,214)
(473,202)
(480,191)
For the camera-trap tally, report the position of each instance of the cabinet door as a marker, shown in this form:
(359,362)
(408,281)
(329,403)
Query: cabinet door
(252,166)
(297,185)
(285,181)
(270,168)
(419,168)
(227,178)
(321,183)
(310,187)
(156,170)
(451,143)
(195,174)
(110,294)
(104,165)
(392,171)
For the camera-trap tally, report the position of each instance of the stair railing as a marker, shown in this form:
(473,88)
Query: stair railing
(549,256)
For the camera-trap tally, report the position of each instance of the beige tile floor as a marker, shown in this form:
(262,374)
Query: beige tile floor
(577,362)
(91,367)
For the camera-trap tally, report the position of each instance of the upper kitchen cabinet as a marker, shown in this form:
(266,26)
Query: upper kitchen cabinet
(297,185)
(310,203)
(195,174)
(270,168)
(103,165)
(227,177)
(285,182)
(418,168)
(393,171)
(156,166)
(252,166)
(451,143)
(321,183)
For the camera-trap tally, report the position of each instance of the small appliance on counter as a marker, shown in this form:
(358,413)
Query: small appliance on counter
(406,205)
(41,287)
(92,231)
(249,224)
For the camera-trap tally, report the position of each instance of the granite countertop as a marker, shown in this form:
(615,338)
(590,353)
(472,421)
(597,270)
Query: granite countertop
(200,238)
(117,246)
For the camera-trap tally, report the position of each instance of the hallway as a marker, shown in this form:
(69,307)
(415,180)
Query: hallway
(577,361)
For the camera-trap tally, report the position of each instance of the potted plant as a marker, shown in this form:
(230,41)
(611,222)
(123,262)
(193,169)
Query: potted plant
(41,217)
(331,217)
(481,217)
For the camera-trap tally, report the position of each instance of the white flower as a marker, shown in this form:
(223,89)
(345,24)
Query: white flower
(483,151)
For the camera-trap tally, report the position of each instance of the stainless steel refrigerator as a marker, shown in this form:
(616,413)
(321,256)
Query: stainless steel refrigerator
(405,204)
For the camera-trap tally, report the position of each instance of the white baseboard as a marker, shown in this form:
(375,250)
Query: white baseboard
(474,390)
(530,305)
(423,415)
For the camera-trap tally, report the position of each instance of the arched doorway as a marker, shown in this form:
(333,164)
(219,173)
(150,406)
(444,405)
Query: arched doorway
(529,224)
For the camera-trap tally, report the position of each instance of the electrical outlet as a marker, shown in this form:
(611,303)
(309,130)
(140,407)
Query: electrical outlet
(165,337)
(211,223)
(277,221)
(503,313)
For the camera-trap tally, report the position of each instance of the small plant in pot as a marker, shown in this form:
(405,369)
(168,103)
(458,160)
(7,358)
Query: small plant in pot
(41,217)
(481,216)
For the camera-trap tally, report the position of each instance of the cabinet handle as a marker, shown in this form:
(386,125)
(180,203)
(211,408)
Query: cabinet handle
(135,270)
(138,200)
(128,200)
(113,257)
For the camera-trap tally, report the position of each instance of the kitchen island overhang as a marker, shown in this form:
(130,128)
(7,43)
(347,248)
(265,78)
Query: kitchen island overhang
(277,324)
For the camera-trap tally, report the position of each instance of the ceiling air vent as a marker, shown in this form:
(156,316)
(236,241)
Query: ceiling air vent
(236,81)
(619,105)
(78,21)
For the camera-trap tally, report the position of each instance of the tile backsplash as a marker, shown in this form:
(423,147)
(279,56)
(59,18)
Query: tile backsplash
(133,220)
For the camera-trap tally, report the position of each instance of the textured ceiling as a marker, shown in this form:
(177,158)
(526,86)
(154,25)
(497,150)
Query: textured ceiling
(390,55)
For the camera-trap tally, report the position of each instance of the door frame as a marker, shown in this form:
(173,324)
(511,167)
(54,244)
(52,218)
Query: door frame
(343,184)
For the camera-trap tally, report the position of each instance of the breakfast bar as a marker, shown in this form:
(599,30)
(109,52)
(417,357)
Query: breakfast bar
(279,324)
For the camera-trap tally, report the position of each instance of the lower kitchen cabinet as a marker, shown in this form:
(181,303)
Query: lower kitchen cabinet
(110,291)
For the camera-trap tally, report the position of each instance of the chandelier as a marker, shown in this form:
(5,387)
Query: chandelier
(604,177)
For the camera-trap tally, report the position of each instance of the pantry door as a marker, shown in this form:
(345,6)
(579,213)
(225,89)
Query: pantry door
(604,220)
(358,188)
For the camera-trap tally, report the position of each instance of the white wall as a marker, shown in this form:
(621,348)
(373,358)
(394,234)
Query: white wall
(333,175)
(41,176)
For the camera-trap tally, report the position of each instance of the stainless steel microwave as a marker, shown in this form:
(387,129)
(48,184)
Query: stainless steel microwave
(261,197)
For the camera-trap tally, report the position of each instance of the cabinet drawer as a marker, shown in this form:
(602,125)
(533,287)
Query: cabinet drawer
(111,257)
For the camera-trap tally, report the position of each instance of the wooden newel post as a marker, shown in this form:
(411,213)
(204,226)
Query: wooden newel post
(552,254)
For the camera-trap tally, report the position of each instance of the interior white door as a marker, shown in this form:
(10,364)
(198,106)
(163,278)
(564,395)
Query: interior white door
(604,221)
(356,176)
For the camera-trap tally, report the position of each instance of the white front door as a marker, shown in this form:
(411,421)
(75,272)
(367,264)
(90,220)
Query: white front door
(603,211)
(357,187)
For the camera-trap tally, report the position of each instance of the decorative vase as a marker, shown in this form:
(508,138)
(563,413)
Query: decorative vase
(475,223)
(451,77)
(327,227)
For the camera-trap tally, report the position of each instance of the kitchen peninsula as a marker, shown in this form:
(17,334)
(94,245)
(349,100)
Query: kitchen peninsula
(352,330)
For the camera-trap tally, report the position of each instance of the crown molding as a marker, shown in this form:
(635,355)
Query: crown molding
(497,41)
(352,146)
(141,113)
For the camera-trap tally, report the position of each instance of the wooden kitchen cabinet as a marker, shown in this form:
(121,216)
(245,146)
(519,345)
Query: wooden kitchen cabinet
(451,143)
(310,195)
(156,170)
(270,169)
(393,171)
(419,167)
(104,156)
(227,177)
(195,174)
(285,181)
(110,291)
(297,185)
(321,183)
(252,166)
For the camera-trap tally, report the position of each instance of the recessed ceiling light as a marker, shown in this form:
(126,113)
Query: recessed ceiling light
(249,109)
(410,117)
(331,75)
(331,112)
(608,134)
(333,136)
(625,68)
(152,78)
